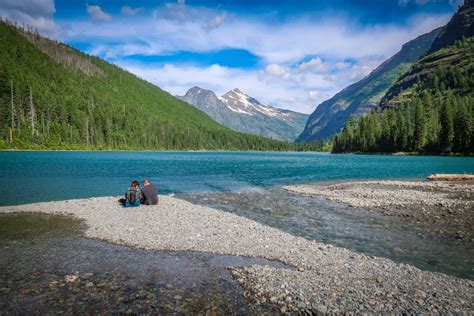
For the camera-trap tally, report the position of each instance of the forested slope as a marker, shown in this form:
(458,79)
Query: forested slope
(430,108)
(53,96)
(363,96)
(431,112)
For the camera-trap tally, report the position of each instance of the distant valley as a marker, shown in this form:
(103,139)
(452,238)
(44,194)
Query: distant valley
(363,96)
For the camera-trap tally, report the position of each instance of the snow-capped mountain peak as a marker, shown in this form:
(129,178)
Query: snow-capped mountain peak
(238,101)
(242,112)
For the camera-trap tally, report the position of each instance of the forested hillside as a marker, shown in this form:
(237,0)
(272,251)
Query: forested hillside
(429,110)
(363,96)
(53,96)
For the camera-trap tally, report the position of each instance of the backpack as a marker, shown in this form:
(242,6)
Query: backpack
(133,195)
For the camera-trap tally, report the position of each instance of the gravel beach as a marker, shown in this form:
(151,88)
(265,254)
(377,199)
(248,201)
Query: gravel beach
(324,278)
(444,208)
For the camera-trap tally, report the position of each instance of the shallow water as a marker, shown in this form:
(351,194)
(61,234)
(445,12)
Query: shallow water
(333,223)
(40,251)
(29,177)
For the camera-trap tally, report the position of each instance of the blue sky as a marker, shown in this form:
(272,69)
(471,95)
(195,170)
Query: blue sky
(291,54)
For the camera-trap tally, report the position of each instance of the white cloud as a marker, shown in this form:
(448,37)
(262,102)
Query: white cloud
(30,7)
(185,28)
(35,13)
(404,3)
(313,65)
(178,12)
(217,21)
(295,70)
(126,10)
(316,73)
(275,70)
(286,72)
(97,14)
(178,79)
(314,94)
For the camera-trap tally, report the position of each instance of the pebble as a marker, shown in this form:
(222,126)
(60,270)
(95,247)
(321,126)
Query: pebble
(171,224)
(71,278)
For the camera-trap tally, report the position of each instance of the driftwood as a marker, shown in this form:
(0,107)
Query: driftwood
(450,177)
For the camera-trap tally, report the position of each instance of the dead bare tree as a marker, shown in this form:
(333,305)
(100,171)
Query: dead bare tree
(12,106)
(87,130)
(32,113)
(12,113)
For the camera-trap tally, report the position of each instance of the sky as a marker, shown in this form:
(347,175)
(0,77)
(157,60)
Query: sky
(289,54)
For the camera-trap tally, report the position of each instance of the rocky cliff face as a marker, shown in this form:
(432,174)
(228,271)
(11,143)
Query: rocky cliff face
(243,113)
(364,95)
(461,25)
(441,54)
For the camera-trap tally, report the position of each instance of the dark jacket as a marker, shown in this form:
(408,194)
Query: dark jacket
(150,194)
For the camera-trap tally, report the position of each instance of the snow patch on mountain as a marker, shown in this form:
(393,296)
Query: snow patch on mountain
(238,101)
(241,112)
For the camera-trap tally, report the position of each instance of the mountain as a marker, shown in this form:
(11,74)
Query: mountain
(364,95)
(243,113)
(461,25)
(54,96)
(430,109)
(433,115)
(443,53)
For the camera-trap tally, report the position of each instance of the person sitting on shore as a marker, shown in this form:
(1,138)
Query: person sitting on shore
(149,193)
(133,195)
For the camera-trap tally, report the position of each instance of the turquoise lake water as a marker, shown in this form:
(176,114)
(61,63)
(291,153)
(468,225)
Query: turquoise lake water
(44,176)
(247,184)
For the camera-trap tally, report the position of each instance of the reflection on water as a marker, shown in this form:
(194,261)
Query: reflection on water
(47,266)
(336,224)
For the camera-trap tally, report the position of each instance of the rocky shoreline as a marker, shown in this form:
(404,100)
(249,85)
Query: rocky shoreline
(325,279)
(444,209)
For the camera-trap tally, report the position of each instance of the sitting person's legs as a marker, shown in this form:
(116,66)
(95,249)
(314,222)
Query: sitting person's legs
(128,204)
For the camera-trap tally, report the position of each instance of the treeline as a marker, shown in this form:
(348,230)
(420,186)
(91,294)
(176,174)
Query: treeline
(437,117)
(316,145)
(427,125)
(54,97)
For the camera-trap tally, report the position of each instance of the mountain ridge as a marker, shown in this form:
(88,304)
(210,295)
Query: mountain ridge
(364,95)
(430,108)
(53,96)
(460,25)
(244,113)
(439,55)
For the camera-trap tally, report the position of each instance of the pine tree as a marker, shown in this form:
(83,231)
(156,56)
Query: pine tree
(462,128)
(447,129)
(419,127)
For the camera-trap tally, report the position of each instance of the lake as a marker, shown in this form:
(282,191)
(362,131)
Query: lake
(247,184)
(28,177)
